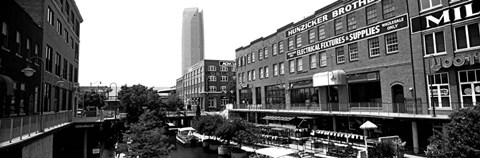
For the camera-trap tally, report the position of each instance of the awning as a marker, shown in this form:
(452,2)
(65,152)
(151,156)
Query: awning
(335,77)
(307,118)
(6,85)
(275,152)
(278,118)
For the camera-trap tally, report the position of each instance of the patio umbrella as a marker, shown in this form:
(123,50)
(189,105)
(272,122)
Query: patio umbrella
(368,125)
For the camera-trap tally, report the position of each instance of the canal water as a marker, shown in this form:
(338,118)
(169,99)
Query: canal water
(190,152)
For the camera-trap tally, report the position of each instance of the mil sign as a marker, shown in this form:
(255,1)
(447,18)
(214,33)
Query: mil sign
(446,16)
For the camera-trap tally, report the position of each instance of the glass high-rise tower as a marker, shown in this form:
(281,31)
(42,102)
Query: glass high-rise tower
(192,38)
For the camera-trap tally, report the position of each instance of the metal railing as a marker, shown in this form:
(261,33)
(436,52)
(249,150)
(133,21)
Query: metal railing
(371,108)
(25,126)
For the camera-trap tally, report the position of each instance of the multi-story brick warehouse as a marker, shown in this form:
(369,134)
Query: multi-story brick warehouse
(360,60)
(39,36)
(208,84)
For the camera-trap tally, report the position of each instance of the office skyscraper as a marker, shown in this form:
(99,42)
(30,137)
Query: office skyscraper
(192,38)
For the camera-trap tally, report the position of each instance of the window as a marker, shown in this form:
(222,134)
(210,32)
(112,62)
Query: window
(434,43)
(351,22)
(275,70)
(223,68)
(266,72)
(224,78)
(265,50)
(338,26)
(27,47)
(4,37)
(290,44)
(313,61)
(59,27)
(391,42)
(299,64)
(48,57)
(274,49)
(253,75)
(388,9)
(323,59)
(66,36)
(321,32)
(223,88)
(50,16)
(292,66)
(274,94)
(439,93)
(282,68)
(469,87)
(371,14)
(58,59)
(353,51)
(467,36)
(211,68)
(340,55)
(374,47)
(429,4)
(260,54)
(311,35)
(261,72)
(36,52)
(299,40)
(18,43)
(253,57)
(248,59)
(249,75)
(280,47)
(65,70)
(244,77)
(212,78)
(212,88)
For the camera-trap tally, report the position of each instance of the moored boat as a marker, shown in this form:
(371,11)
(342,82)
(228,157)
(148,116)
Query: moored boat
(185,136)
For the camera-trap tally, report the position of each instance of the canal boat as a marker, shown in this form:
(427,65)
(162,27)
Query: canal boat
(185,136)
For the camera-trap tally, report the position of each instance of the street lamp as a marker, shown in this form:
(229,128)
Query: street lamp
(99,83)
(28,71)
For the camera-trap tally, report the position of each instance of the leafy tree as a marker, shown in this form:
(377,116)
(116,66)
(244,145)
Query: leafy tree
(148,137)
(92,98)
(136,99)
(247,133)
(460,138)
(208,124)
(174,103)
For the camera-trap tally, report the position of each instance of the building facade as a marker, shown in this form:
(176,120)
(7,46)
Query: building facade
(192,38)
(209,84)
(38,64)
(359,60)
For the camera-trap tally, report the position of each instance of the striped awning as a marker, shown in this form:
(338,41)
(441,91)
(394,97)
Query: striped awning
(337,134)
(278,118)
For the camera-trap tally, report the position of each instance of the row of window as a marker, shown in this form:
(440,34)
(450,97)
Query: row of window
(296,42)
(426,5)
(467,36)
(70,15)
(200,89)
(65,34)
(69,72)
(26,50)
(222,68)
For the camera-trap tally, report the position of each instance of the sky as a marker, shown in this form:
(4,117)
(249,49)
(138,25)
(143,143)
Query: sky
(139,42)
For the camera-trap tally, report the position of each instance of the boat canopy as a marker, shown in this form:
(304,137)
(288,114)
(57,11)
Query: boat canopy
(186,129)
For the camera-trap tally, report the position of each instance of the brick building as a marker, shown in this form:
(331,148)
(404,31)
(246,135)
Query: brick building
(208,84)
(359,60)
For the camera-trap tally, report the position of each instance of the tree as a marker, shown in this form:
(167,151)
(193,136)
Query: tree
(208,124)
(459,138)
(148,137)
(174,103)
(93,99)
(247,133)
(136,99)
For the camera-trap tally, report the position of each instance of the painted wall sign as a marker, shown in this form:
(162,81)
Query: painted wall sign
(226,63)
(366,32)
(457,61)
(330,15)
(446,16)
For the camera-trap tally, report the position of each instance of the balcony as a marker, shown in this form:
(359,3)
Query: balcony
(16,129)
(405,110)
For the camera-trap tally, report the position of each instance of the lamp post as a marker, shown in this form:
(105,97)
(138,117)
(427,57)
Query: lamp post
(431,84)
(98,87)
(116,96)
(28,71)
